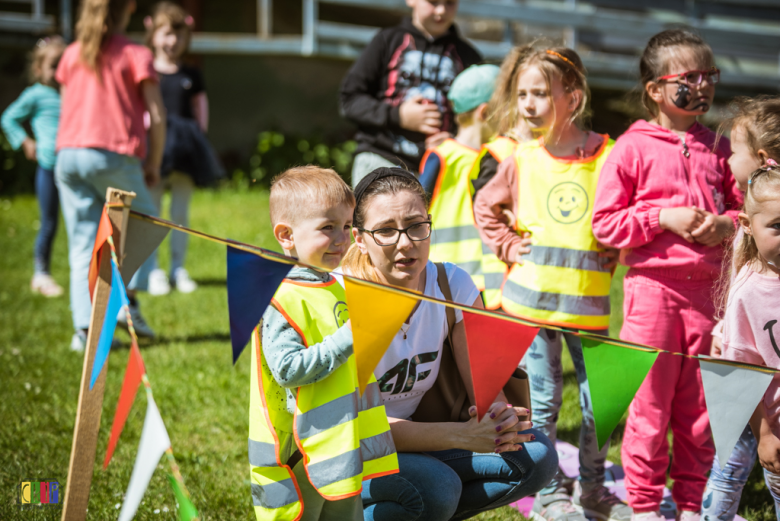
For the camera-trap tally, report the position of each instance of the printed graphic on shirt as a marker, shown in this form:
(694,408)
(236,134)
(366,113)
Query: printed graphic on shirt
(340,313)
(719,199)
(413,72)
(567,202)
(769,326)
(406,374)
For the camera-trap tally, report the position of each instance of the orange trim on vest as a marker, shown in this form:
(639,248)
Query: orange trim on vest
(439,178)
(290,321)
(311,284)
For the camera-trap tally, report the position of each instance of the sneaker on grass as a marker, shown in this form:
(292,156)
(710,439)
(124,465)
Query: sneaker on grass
(602,504)
(183,282)
(142,329)
(555,507)
(78,343)
(44,284)
(158,283)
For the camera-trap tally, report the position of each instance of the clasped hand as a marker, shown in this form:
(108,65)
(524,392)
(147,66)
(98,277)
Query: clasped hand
(498,431)
(696,225)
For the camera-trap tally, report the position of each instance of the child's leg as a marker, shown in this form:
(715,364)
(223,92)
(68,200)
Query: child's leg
(651,310)
(591,458)
(49,205)
(365,163)
(181,193)
(773,484)
(316,508)
(692,449)
(543,363)
(724,488)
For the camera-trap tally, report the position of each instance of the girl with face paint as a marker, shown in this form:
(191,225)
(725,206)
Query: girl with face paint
(667,198)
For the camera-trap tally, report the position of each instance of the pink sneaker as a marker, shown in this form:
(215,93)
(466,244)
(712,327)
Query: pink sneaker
(648,516)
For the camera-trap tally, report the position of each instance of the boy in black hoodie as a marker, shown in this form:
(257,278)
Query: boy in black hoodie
(396,91)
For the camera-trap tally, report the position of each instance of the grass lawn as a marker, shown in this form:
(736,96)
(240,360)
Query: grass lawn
(203,399)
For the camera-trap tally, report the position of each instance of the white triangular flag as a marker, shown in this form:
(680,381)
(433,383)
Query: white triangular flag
(154,443)
(732,394)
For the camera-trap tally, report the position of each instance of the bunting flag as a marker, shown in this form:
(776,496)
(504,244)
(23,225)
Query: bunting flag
(495,349)
(187,511)
(105,230)
(376,315)
(154,443)
(251,284)
(732,394)
(117,299)
(614,376)
(133,376)
(141,239)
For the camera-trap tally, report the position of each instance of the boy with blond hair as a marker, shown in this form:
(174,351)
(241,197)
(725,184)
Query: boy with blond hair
(313,438)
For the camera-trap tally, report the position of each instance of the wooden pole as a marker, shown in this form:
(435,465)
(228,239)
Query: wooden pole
(85,433)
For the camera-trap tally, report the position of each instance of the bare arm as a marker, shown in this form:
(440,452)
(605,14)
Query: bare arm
(154,104)
(200,109)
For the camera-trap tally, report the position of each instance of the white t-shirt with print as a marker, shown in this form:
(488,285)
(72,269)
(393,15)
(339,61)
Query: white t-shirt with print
(411,365)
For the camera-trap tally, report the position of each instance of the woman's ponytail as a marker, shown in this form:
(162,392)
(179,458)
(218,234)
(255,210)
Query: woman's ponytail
(97,19)
(358,264)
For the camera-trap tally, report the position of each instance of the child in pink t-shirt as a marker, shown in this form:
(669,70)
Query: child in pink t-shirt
(752,311)
(108,82)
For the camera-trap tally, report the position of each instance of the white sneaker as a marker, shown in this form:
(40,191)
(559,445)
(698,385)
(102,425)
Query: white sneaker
(44,284)
(79,341)
(140,326)
(648,516)
(158,283)
(688,515)
(183,282)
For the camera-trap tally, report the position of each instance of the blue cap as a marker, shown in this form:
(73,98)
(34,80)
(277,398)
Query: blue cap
(473,87)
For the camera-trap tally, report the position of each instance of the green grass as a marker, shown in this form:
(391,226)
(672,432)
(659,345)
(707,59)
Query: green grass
(203,399)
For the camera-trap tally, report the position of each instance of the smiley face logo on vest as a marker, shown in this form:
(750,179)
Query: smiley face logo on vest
(567,202)
(340,313)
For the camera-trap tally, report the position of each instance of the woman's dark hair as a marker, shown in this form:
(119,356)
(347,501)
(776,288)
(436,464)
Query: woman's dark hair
(661,51)
(357,263)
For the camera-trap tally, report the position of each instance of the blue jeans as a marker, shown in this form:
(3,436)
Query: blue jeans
(458,484)
(49,205)
(724,488)
(543,363)
(83,176)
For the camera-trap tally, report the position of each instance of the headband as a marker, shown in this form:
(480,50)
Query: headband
(771,164)
(376,175)
(562,57)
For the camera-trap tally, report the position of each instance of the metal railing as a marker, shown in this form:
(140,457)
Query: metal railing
(35,22)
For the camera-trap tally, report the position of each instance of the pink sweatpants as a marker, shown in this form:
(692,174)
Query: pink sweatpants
(676,315)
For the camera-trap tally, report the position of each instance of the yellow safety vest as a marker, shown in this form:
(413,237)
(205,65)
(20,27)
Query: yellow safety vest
(494,270)
(455,237)
(562,281)
(344,438)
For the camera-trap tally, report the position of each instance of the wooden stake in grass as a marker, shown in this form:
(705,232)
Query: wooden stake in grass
(85,434)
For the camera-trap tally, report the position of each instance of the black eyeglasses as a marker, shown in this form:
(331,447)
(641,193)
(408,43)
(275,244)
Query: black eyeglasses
(390,236)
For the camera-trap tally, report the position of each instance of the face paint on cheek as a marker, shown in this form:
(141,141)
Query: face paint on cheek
(701,106)
(682,96)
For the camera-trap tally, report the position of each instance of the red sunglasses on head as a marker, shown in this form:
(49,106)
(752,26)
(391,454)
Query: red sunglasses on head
(694,77)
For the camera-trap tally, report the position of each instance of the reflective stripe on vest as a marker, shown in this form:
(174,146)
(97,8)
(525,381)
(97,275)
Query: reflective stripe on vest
(494,270)
(455,237)
(562,280)
(344,438)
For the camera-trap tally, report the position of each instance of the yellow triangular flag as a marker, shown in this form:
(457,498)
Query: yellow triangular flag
(376,317)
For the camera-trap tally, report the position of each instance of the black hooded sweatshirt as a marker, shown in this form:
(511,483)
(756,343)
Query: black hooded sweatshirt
(398,64)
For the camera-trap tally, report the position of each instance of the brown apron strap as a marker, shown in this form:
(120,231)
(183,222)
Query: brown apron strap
(444,285)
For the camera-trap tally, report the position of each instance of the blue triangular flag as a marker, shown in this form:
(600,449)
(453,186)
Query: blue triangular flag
(251,282)
(116,299)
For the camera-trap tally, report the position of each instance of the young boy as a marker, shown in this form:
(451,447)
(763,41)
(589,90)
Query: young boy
(396,92)
(445,173)
(308,425)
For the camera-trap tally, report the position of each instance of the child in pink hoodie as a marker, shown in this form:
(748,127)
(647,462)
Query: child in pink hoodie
(666,197)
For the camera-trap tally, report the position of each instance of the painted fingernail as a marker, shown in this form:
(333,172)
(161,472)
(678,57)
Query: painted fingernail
(532,423)
(492,415)
(497,451)
(509,405)
(498,440)
(498,428)
(519,447)
(533,438)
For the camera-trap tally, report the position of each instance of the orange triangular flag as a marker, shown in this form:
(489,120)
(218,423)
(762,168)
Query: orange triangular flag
(105,230)
(133,376)
(376,315)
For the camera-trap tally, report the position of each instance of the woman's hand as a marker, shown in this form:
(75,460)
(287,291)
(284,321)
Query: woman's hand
(525,247)
(610,254)
(498,430)
(769,452)
(713,229)
(682,220)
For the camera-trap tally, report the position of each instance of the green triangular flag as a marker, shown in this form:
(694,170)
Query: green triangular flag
(187,511)
(614,376)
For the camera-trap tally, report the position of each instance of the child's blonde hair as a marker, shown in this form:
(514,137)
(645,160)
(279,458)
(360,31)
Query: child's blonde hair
(660,53)
(553,62)
(97,19)
(764,183)
(759,118)
(172,14)
(355,262)
(39,53)
(302,188)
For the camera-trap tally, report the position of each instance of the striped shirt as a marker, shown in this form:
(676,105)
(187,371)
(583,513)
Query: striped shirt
(40,105)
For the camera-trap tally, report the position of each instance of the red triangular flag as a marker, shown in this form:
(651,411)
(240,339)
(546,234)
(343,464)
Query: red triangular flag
(495,349)
(135,370)
(104,231)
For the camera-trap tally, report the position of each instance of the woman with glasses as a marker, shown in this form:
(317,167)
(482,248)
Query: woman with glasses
(447,470)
